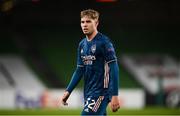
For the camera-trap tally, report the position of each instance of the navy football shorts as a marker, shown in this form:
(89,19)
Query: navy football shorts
(95,106)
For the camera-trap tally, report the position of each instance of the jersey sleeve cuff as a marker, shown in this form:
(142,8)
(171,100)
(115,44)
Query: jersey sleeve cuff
(115,94)
(114,60)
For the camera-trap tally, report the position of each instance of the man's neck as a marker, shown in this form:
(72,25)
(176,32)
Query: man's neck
(91,37)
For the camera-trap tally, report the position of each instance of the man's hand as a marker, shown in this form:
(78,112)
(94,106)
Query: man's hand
(65,97)
(115,104)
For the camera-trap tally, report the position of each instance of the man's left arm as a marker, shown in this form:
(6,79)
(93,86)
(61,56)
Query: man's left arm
(111,59)
(114,74)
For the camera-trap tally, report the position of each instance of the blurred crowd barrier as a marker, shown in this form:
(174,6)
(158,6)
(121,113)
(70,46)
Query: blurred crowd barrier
(22,99)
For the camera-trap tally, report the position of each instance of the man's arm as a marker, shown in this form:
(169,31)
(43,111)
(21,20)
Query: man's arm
(114,74)
(77,75)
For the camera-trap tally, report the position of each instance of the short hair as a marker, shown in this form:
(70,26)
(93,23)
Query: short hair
(93,14)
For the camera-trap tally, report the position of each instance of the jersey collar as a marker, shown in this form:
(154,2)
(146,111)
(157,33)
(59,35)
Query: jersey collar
(93,38)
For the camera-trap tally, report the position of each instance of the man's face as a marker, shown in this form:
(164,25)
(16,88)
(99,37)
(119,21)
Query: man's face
(88,25)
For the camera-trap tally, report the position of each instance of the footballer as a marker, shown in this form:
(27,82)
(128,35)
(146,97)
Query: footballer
(97,65)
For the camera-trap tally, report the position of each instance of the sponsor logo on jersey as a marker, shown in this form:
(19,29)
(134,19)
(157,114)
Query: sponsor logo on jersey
(88,60)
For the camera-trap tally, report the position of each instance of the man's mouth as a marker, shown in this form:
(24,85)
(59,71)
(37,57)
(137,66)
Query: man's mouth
(85,29)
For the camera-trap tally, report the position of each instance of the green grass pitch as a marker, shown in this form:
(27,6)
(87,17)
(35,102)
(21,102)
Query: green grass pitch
(50,112)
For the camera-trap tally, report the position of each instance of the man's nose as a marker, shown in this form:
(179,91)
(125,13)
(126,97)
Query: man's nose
(85,24)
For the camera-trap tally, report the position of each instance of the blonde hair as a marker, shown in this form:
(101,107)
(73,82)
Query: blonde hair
(93,14)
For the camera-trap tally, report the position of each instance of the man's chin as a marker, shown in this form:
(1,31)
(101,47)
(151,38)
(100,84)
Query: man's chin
(87,33)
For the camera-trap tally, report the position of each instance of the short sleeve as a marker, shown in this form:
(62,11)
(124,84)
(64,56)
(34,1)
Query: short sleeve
(79,60)
(109,53)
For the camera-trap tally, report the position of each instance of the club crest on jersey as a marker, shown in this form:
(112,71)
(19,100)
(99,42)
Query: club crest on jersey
(93,48)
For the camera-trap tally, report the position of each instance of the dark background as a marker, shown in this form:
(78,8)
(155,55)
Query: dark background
(134,24)
(47,32)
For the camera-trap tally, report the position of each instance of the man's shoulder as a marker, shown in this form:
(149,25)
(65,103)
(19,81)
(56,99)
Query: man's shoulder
(82,41)
(104,38)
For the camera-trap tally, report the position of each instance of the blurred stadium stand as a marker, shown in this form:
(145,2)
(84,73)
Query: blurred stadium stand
(159,74)
(46,34)
(6,80)
(16,74)
(150,69)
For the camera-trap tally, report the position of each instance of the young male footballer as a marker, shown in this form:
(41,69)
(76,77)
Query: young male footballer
(97,64)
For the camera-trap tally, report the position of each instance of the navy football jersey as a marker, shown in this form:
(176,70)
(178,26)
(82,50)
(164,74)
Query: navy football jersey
(94,57)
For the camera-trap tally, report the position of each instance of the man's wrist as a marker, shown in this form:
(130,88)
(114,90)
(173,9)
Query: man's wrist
(115,96)
(67,91)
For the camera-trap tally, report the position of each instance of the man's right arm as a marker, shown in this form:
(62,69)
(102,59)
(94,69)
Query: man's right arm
(77,75)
